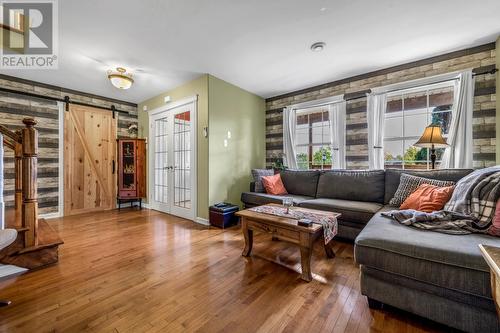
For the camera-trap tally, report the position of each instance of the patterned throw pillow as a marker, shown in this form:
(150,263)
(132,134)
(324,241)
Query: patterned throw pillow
(409,184)
(257,178)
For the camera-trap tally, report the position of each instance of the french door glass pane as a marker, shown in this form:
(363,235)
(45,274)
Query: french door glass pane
(182,160)
(161,161)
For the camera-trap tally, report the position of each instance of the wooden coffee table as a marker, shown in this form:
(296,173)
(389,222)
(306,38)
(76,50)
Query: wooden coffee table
(286,229)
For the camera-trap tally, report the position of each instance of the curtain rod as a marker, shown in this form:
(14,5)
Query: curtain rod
(493,71)
(318,105)
(65,100)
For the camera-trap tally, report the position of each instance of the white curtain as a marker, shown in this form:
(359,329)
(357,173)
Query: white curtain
(336,115)
(459,153)
(377,104)
(289,129)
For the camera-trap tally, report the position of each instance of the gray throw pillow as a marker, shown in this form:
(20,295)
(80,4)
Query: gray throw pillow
(257,178)
(409,184)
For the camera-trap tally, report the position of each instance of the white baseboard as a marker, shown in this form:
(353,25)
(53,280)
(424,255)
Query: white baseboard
(201,220)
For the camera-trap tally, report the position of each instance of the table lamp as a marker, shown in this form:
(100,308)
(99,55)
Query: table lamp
(432,138)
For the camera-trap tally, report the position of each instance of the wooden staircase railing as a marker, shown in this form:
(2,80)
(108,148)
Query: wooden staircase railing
(25,146)
(24,143)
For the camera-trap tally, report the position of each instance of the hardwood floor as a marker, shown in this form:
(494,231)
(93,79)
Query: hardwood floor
(138,271)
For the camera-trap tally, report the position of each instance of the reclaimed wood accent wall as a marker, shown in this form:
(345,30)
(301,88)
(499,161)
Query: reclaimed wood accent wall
(15,107)
(481,58)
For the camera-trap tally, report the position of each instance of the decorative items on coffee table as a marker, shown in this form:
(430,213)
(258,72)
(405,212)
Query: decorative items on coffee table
(273,219)
(131,171)
(492,256)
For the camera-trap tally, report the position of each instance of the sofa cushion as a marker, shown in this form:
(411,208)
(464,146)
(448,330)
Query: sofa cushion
(358,185)
(300,182)
(257,199)
(358,212)
(449,261)
(392,178)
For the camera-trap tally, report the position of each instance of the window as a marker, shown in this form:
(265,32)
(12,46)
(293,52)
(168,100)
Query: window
(408,113)
(313,138)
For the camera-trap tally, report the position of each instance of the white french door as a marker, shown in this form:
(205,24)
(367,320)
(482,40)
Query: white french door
(172,159)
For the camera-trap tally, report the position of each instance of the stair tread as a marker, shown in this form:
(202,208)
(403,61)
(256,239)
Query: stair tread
(39,247)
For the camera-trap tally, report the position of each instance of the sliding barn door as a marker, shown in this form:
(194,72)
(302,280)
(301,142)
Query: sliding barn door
(89,155)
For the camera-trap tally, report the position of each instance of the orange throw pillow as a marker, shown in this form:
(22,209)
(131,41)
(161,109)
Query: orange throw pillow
(428,198)
(274,185)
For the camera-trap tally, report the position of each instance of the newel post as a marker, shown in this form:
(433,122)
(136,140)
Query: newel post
(18,184)
(29,181)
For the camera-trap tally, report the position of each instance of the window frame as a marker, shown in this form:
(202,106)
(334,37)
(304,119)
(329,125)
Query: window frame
(311,144)
(429,113)
(323,102)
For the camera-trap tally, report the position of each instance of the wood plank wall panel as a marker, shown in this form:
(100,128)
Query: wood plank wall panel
(481,58)
(15,107)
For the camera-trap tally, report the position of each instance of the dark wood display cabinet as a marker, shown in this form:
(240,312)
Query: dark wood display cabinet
(131,171)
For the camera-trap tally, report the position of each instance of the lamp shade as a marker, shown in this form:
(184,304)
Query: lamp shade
(432,138)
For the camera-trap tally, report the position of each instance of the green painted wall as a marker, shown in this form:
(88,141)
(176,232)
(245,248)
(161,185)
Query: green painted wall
(234,110)
(198,87)
(497,56)
(223,172)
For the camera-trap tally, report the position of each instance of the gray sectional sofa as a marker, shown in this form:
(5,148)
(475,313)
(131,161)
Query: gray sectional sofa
(437,276)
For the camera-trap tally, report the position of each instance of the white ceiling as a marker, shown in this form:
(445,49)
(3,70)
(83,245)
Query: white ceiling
(259,45)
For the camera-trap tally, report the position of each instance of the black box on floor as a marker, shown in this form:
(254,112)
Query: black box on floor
(222,215)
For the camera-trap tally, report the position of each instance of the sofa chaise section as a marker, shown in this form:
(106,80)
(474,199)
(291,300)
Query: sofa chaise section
(438,276)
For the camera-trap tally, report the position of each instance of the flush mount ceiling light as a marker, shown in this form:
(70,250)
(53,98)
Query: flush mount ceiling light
(120,79)
(318,47)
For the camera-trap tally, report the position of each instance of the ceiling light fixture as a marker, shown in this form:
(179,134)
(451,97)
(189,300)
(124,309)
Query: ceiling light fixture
(318,47)
(120,79)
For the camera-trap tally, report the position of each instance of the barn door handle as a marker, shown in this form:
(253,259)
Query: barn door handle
(113,166)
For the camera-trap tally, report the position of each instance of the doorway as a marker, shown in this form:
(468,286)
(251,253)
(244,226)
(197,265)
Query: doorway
(172,158)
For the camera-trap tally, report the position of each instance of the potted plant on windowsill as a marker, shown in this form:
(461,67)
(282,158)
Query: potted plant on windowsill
(277,162)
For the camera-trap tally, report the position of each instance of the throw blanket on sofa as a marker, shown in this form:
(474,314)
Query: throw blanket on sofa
(470,209)
(476,195)
(441,221)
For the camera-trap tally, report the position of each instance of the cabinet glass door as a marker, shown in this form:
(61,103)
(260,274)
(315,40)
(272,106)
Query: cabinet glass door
(128,162)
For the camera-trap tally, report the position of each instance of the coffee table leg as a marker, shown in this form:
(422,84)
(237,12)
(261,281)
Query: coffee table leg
(248,234)
(305,258)
(330,253)
(306,249)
